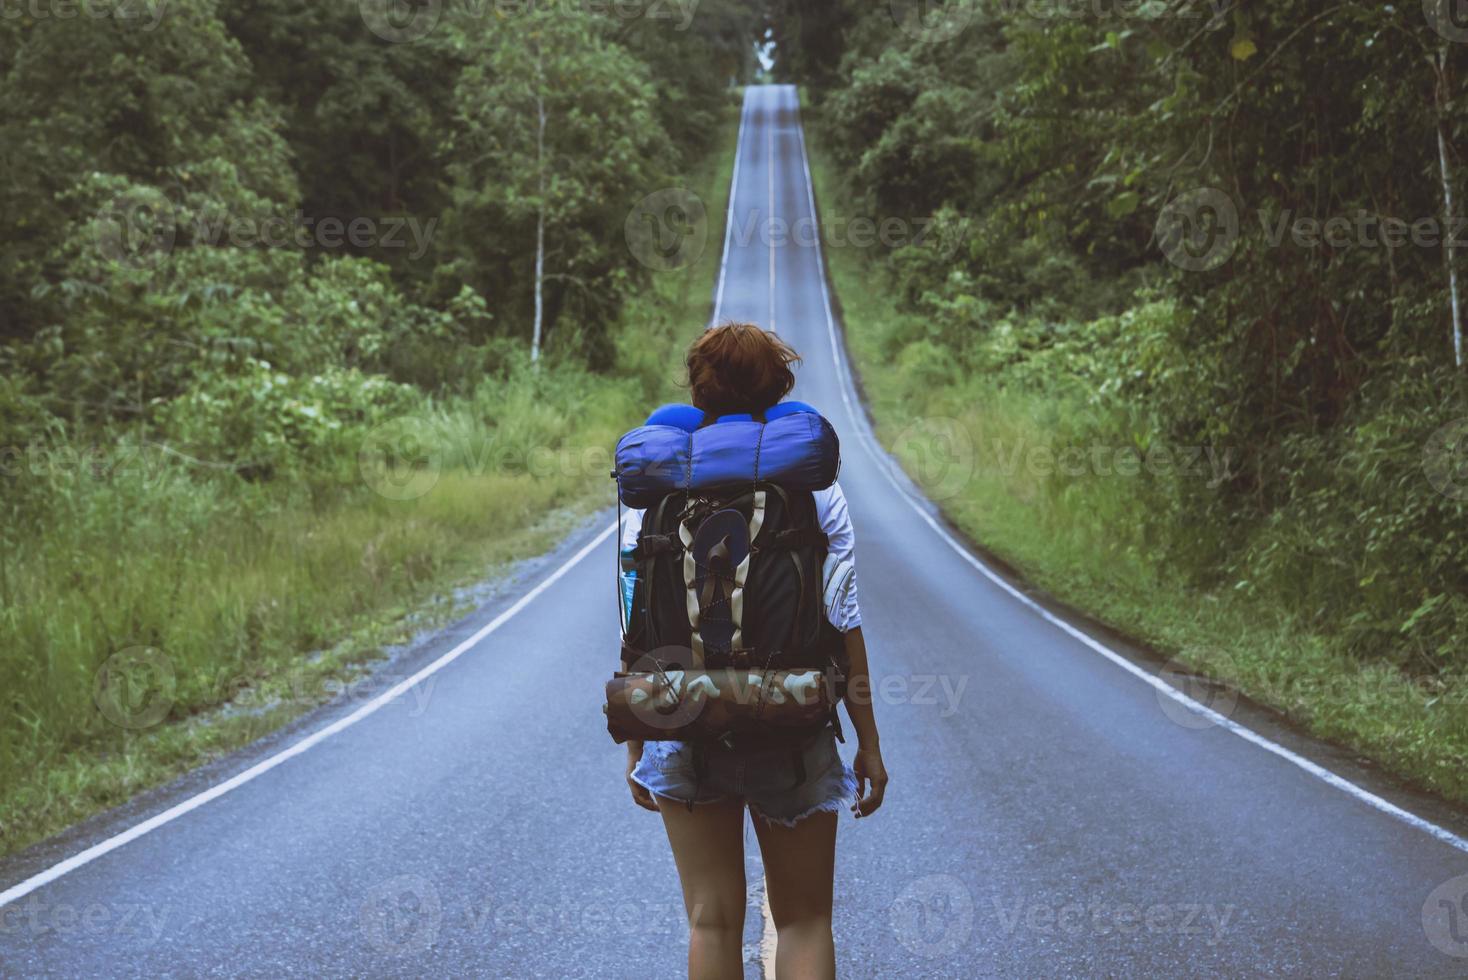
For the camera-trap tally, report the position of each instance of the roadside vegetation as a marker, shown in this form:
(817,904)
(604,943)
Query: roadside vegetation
(268,290)
(1162,346)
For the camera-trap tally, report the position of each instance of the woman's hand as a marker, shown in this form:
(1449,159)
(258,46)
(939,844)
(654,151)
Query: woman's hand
(869,772)
(640,794)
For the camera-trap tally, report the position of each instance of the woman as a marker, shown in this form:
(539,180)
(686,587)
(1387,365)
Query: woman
(733,369)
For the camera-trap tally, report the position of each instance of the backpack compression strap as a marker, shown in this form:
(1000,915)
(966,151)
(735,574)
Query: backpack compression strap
(694,576)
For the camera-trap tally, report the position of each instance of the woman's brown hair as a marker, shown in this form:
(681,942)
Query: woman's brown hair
(737,367)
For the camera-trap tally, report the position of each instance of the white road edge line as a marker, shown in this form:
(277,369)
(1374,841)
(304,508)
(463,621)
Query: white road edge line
(729,218)
(885,463)
(259,769)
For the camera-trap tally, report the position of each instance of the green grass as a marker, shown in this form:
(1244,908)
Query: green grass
(1088,539)
(235,607)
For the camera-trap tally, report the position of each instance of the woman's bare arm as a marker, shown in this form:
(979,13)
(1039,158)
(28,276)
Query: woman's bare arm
(871,774)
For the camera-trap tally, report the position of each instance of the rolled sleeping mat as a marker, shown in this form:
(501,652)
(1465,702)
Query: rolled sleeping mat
(704,704)
(798,452)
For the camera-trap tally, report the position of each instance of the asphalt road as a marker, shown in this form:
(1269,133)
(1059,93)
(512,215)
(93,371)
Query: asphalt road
(1052,814)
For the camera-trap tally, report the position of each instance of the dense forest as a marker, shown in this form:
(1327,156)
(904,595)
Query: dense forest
(193,197)
(1231,230)
(247,241)
(260,261)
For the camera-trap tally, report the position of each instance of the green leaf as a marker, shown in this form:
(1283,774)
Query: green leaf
(1123,204)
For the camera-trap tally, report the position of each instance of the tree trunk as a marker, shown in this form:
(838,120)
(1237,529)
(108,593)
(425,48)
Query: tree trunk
(535,334)
(1450,211)
(1452,251)
(539,233)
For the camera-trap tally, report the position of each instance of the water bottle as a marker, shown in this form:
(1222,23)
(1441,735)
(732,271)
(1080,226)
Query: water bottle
(629,583)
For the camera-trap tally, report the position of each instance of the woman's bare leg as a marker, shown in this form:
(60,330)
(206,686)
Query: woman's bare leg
(800,865)
(708,847)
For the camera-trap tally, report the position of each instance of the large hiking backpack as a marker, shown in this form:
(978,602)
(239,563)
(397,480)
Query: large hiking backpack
(727,635)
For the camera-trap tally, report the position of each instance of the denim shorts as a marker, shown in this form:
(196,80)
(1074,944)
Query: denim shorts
(768,779)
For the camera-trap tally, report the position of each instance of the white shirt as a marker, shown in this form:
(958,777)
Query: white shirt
(834,519)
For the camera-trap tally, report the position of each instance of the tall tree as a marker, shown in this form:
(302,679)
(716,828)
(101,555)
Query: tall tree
(555,136)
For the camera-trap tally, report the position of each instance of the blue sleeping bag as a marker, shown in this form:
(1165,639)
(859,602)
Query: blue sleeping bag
(794,448)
